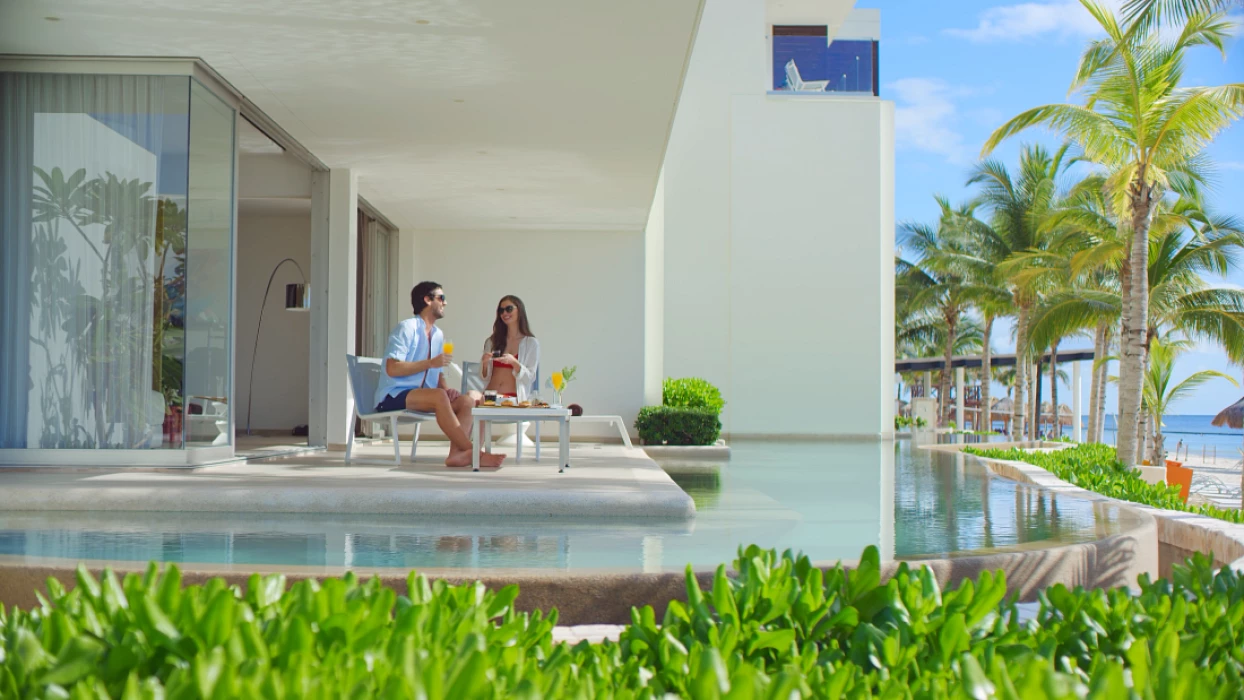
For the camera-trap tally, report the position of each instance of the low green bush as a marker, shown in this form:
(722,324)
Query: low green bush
(670,425)
(778,628)
(1096,468)
(691,392)
(901,422)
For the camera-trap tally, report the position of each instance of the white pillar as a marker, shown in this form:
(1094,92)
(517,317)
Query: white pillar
(1075,400)
(334,254)
(654,298)
(928,385)
(959,398)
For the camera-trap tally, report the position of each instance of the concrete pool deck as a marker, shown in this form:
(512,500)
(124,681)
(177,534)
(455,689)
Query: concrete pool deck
(604,480)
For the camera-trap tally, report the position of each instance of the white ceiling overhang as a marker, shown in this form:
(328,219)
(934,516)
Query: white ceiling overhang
(475,114)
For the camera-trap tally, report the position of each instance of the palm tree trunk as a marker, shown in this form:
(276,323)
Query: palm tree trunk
(1094,391)
(1019,406)
(1103,378)
(984,415)
(1058,425)
(1034,425)
(1135,318)
(943,387)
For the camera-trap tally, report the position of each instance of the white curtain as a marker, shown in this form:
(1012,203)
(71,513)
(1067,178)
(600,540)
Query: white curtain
(376,251)
(79,182)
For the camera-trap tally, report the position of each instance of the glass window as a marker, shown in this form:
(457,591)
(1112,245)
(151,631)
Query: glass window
(116,222)
(209,265)
(91,167)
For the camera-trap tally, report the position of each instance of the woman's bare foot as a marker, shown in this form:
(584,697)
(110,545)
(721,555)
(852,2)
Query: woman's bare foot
(463,459)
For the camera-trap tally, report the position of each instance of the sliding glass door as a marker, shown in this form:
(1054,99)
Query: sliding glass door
(116,222)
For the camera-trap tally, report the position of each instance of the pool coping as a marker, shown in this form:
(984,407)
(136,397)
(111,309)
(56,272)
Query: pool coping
(1178,531)
(603,481)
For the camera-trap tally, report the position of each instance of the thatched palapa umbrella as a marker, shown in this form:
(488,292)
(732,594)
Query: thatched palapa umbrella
(1232,416)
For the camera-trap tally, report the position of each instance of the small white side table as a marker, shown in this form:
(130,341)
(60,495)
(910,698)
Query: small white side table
(483,418)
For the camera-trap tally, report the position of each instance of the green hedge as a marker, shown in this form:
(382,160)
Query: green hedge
(668,425)
(1095,467)
(691,392)
(779,628)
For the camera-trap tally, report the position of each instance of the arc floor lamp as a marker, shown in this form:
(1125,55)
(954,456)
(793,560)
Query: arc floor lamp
(297,298)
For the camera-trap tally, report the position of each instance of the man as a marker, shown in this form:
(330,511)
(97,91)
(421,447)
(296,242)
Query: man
(413,379)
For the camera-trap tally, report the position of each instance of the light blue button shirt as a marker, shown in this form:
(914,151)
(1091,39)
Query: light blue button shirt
(409,343)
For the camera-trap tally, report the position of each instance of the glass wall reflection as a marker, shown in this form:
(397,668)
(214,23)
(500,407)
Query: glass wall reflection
(95,177)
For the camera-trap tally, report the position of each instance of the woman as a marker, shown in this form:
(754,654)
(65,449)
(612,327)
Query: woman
(512,354)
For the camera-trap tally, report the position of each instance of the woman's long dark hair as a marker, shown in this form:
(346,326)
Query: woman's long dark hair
(500,330)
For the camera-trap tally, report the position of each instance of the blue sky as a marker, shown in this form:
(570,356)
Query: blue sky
(957,74)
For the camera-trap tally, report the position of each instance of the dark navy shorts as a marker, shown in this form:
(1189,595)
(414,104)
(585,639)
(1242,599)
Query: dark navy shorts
(393,403)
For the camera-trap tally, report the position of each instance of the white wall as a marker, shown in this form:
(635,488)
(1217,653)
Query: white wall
(584,292)
(778,242)
(281,367)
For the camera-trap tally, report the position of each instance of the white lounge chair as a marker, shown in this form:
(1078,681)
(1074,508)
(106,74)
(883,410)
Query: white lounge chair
(797,84)
(364,378)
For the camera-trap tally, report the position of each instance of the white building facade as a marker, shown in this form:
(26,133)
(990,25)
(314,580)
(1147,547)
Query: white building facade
(660,204)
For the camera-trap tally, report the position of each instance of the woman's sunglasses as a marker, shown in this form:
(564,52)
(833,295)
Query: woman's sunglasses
(509,309)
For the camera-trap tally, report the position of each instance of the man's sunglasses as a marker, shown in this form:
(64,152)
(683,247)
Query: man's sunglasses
(509,309)
(438,297)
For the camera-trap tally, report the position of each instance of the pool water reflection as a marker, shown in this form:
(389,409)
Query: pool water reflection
(829,500)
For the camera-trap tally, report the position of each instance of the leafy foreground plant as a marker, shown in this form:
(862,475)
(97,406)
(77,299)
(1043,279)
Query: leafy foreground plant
(1096,468)
(781,628)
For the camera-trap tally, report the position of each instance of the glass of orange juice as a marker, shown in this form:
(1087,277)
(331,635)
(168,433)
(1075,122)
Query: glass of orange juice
(449,347)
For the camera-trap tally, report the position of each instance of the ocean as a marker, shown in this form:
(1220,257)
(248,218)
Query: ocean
(1195,432)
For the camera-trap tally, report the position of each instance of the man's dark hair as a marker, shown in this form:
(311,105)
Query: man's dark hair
(419,295)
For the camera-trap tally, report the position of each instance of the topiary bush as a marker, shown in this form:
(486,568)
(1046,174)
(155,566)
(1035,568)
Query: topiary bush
(691,392)
(669,425)
(1096,467)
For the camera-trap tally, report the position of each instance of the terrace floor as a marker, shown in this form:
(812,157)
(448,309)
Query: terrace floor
(604,480)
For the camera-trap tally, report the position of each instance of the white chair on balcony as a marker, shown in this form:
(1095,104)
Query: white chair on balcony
(364,378)
(795,83)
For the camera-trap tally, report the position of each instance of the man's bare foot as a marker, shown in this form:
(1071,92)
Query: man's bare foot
(463,459)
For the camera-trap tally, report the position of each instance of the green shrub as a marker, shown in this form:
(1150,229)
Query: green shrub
(1096,468)
(662,425)
(778,628)
(691,392)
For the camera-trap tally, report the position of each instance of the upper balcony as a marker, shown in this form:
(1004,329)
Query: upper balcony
(808,58)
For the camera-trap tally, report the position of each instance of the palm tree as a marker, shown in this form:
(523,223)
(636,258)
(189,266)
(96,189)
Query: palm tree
(989,293)
(1018,209)
(932,284)
(1147,132)
(1146,15)
(1181,253)
(1160,395)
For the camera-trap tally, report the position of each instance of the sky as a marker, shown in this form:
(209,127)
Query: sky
(957,70)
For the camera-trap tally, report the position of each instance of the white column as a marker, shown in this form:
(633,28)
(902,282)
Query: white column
(654,298)
(334,253)
(1075,400)
(959,398)
(928,385)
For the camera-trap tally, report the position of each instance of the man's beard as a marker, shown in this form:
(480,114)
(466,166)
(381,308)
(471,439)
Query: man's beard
(438,313)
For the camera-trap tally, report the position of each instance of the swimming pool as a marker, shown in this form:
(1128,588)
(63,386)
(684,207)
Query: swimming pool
(829,500)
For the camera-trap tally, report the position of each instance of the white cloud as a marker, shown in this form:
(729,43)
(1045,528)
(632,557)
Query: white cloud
(925,116)
(1030,20)
(1231,165)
